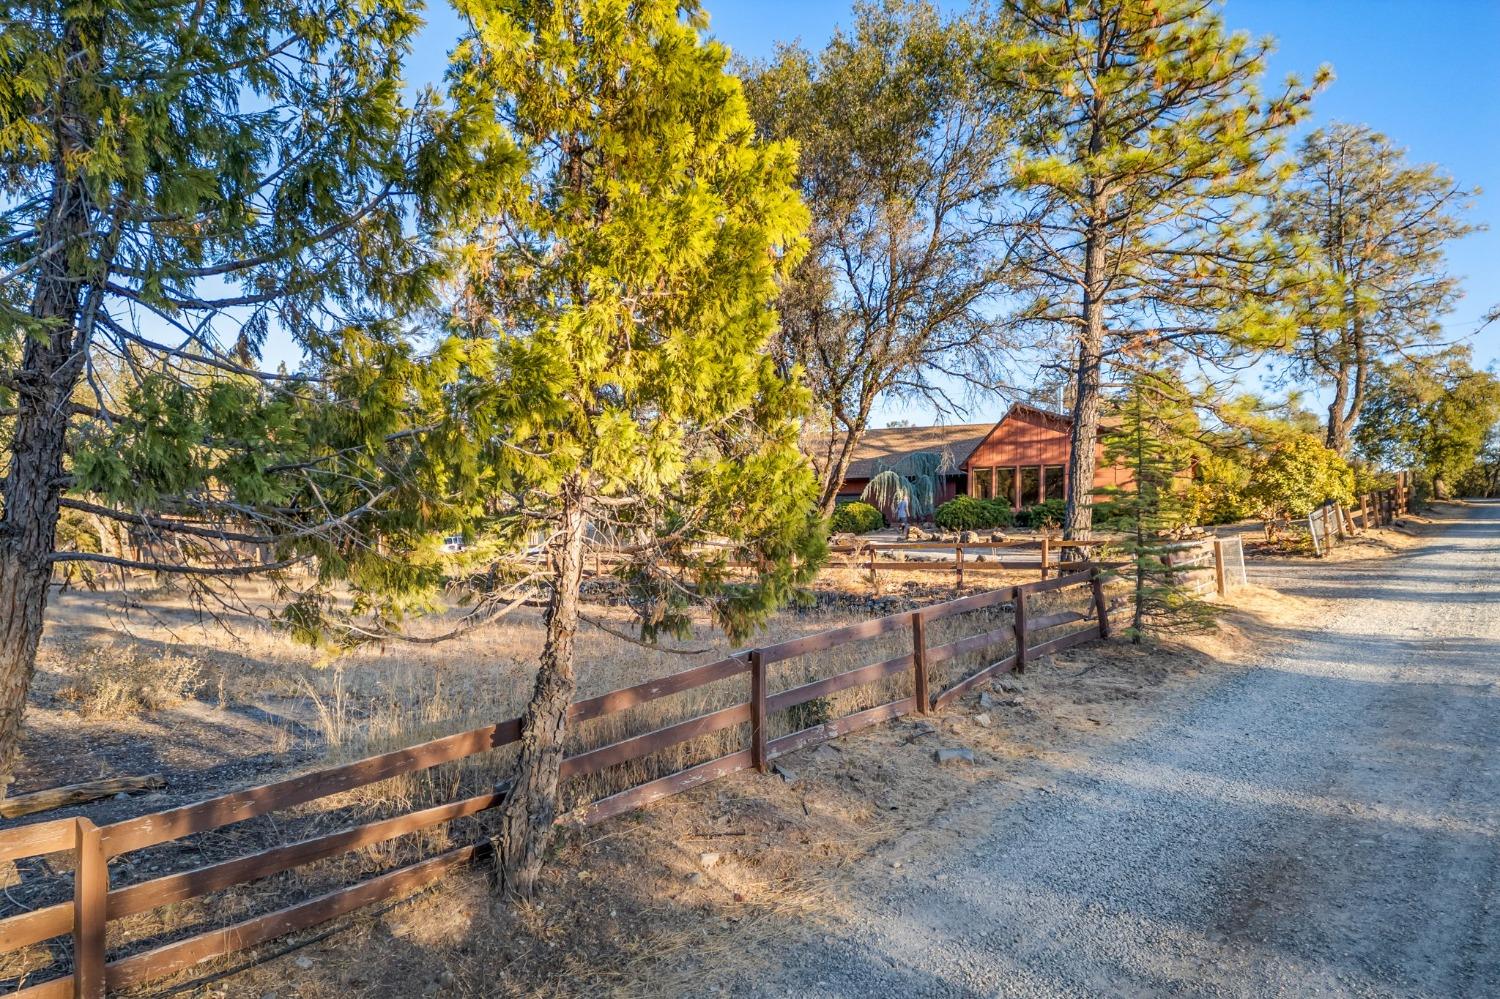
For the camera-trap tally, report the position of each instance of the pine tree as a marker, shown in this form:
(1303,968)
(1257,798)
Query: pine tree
(177,182)
(1155,437)
(1149,149)
(605,384)
(1371,230)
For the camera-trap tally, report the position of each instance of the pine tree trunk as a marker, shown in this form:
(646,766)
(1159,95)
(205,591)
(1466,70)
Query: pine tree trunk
(1078,520)
(50,368)
(525,823)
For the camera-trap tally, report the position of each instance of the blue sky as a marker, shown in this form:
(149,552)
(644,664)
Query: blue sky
(1425,72)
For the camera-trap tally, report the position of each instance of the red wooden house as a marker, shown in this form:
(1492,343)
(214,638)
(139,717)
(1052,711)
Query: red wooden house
(1023,457)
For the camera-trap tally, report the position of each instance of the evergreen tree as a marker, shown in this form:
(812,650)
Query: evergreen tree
(605,384)
(1371,230)
(177,182)
(1149,149)
(1154,435)
(1432,415)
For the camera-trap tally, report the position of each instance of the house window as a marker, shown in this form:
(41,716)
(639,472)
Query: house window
(1053,481)
(1031,484)
(1005,485)
(982,483)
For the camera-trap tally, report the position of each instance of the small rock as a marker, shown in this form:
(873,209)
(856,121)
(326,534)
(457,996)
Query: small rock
(895,864)
(122,796)
(696,878)
(303,961)
(825,753)
(1008,685)
(785,773)
(707,860)
(961,754)
(985,700)
(982,720)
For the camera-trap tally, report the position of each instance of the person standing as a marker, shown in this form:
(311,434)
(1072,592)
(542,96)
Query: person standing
(903,510)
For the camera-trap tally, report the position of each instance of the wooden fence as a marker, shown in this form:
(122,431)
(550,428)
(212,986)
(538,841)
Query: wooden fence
(874,557)
(95,903)
(1331,523)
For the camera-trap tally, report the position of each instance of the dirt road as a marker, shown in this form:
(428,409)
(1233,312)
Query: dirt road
(1326,824)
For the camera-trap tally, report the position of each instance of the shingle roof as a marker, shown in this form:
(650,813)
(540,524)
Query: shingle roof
(879,449)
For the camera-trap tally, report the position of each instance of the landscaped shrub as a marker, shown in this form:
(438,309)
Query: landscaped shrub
(855,518)
(968,513)
(1040,516)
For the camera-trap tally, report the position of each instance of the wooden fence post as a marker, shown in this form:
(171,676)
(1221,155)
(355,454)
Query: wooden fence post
(919,662)
(90,893)
(958,559)
(758,711)
(1020,602)
(1046,547)
(1101,610)
(1218,567)
(1364,512)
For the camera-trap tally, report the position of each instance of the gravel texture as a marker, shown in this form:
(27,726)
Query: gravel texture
(1325,824)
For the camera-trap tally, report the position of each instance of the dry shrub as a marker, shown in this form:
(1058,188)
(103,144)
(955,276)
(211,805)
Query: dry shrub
(118,683)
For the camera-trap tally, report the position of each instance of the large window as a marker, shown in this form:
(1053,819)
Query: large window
(1053,482)
(981,482)
(1031,484)
(1005,485)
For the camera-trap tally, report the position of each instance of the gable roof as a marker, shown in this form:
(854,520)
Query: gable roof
(879,449)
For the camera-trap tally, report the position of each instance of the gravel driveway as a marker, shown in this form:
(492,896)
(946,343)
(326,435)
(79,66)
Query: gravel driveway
(1326,824)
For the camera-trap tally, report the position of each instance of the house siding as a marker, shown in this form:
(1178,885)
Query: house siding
(1029,439)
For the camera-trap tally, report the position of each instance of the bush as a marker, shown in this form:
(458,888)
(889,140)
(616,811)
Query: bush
(1041,516)
(968,513)
(109,683)
(855,518)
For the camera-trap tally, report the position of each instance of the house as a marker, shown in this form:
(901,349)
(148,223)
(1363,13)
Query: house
(1023,457)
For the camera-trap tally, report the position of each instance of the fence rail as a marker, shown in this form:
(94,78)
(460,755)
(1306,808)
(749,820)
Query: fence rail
(95,904)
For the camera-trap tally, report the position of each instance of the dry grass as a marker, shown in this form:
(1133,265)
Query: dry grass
(382,699)
(120,683)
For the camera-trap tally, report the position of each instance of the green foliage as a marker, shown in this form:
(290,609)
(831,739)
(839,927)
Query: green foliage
(1432,414)
(1155,437)
(1146,159)
(1294,475)
(916,476)
(1369,231)
(1042,516)
(967,513)
(902,161)
(855,518)
(1219,492)
(617,236)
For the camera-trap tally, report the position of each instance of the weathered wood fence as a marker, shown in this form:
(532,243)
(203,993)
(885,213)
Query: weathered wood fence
(1331,523)
(95,903)
(874,556)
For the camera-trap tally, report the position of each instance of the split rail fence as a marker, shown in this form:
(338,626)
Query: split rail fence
(95,903)
(1331,523)
(869,556)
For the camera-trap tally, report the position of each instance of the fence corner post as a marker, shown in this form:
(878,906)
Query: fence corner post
(1046,549)
(919,663)
(1219,580)
(90,895)
(1020,603)
(1101,609)
(758,710)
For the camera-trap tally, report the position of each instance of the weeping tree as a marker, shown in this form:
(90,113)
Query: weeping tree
(179,181)
(916,477)
(618,236)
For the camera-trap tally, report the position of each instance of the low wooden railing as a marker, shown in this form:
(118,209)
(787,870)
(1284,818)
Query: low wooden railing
(95,904)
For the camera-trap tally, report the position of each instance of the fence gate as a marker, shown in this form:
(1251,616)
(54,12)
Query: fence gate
(1229,564)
